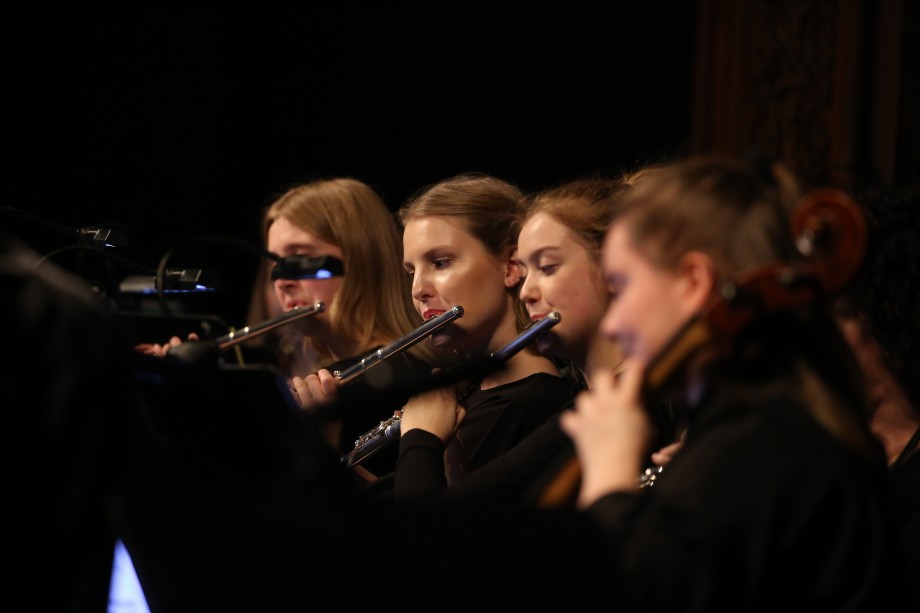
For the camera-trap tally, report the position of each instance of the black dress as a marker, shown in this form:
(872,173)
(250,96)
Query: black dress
(420,474)
(776,500)
(499,418)
(761,508)
(516,477)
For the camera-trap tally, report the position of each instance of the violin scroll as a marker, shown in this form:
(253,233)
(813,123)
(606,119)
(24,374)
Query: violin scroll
(830,230)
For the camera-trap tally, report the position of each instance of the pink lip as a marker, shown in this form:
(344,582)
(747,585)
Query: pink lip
(290,306)
(537,317)
(431,313)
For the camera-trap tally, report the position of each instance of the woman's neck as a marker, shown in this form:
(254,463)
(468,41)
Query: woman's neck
(600,353)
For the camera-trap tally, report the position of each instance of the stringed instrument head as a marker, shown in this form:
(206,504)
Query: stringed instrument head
(829,229)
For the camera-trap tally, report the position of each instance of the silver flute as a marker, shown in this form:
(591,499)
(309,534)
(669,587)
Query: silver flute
(387,431)
(378,357)
(238,336)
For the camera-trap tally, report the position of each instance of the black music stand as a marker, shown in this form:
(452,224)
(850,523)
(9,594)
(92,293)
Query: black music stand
(238,495)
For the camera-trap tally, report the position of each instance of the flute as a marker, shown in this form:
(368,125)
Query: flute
(198,351)
(378,357)
(388,431)
(238,336)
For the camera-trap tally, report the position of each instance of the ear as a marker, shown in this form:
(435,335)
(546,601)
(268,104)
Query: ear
(697,274)
(513,272)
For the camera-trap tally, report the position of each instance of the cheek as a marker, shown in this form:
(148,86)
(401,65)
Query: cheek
(580,297)
(656,321)
(627,315)
(329,289)
(566,292)
(324,291)
(473,285)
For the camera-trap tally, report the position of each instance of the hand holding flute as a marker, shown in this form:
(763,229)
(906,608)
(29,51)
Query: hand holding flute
(222,343)
(315,389)
(161,350)
(436,411)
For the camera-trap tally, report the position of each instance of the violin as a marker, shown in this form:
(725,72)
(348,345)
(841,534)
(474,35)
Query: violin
(829,229)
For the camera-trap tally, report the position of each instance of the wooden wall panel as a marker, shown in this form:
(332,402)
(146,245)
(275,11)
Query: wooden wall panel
(830,86)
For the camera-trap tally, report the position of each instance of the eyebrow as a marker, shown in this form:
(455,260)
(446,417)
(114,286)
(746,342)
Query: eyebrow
(310,248)
(439,250)
(432,252)
(542,250)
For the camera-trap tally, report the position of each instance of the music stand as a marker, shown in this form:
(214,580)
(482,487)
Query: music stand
(241,491)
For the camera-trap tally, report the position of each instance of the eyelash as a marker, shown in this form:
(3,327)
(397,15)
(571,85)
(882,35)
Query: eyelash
(437,264)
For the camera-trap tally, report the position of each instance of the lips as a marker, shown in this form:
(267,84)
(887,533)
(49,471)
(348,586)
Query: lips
(431,314)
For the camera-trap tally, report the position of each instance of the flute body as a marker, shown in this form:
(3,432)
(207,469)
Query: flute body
(238,336)
(378,357)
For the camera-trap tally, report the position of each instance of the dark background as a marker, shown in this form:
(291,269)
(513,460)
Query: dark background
(173,123)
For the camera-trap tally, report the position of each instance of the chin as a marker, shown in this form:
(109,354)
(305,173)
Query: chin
(441,339)
(548,344)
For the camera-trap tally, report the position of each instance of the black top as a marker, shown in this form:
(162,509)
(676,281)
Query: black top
(499,418)
(517,476)
(761,509)
(776,501)
(510,477)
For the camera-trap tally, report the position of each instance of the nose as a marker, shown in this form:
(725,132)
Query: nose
(421,289)
(529,292)
(281,284)
(609,325)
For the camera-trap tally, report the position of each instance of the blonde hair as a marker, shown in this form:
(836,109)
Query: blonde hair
(487,208)
(374,300)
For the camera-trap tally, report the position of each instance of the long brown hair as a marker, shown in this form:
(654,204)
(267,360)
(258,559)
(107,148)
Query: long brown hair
(374,300)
